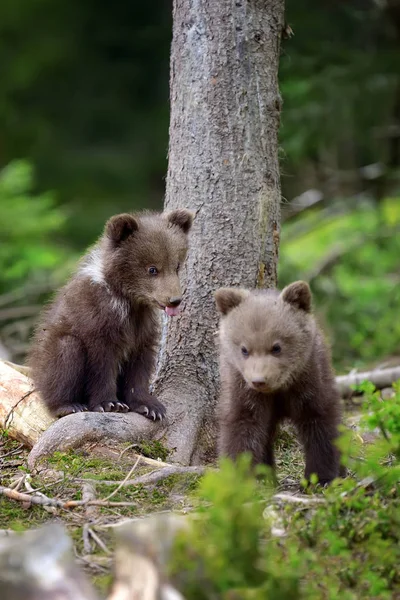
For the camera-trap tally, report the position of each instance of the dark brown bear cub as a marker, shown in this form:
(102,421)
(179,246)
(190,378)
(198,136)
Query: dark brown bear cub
(275,365)
(94,348)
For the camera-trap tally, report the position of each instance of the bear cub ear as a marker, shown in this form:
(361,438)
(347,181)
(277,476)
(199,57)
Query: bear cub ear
(182,218)
(120,227)
(227,299)
(298,294)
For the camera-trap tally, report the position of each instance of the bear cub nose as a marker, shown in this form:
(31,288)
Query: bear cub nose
(258,382)
(175,301)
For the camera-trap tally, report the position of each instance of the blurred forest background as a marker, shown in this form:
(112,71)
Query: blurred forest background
(84,134)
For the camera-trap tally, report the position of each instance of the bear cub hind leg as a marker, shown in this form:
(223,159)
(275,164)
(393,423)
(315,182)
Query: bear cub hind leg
(62,384)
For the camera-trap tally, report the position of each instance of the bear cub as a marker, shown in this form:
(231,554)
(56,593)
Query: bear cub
(274,365)
(94,348)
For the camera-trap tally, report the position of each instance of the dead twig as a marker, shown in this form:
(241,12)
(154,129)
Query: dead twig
(75,503)
(87,546)
(45,501)
(122,482)
(12,452)
(156,476)
(98,540)
(30,489)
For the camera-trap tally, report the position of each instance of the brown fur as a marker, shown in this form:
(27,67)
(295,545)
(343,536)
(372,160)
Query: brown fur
(261,389)
(94,348)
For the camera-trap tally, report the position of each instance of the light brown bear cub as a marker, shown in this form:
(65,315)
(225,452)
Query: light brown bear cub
(275,365)
(94,348)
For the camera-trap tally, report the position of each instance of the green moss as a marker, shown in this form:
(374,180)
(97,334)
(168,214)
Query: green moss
(154,449)
(14,516)
(79,463)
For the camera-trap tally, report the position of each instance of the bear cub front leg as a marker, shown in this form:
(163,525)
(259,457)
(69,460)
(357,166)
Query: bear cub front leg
(133,388)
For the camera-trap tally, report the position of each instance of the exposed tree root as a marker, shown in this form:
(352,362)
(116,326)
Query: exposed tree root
(153,477)
(75,430)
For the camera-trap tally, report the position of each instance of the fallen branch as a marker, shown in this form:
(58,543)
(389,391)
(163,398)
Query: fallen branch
(295,499)
(43,500)
(29,499)
(77,429)
(152,477)
(380,378)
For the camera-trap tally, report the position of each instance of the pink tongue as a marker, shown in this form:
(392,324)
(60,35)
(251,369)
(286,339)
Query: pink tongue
(172,311)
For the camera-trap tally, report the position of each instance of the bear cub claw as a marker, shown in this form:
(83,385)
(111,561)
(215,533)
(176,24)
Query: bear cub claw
(150,408)
(110,406)
(70,409)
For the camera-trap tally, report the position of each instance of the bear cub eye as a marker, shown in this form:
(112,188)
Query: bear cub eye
(153,271)
(245,352)
(178,267)
(276,349)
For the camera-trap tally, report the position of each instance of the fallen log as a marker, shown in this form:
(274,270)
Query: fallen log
(381,378)
(22,413)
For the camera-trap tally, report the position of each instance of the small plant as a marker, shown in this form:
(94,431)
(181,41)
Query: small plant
(30,228)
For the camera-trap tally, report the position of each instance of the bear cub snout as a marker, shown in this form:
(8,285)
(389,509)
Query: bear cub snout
(275,365)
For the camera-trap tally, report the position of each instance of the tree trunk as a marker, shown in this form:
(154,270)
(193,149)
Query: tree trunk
(223,163)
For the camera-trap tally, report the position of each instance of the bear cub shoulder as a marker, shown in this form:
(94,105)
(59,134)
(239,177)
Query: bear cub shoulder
(94,347)
(275,365)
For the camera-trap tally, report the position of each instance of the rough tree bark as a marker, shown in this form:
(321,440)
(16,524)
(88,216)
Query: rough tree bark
(223,163)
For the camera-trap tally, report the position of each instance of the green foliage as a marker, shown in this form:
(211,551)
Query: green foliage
(351,260)
(340,54)
(84,95)
(348,547)
(28,228)
(383,457)
(225,552)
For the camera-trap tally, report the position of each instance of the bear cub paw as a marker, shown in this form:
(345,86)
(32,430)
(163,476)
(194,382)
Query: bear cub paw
(149,407)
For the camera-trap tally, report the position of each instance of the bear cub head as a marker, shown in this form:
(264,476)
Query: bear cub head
(142,256)
(266,336)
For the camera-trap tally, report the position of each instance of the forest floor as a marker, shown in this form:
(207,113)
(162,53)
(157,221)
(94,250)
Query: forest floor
(94,473)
